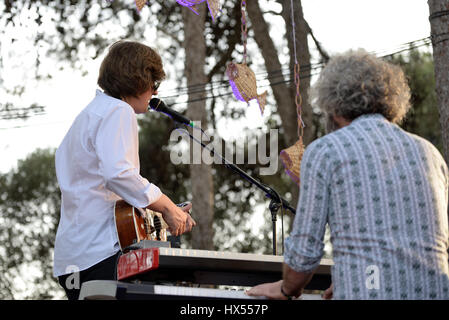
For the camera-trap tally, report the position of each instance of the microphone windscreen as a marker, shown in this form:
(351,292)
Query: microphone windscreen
(155,103)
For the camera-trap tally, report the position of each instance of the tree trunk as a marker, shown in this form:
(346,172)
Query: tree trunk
(303,57)
(284,94)
(281,91)
(200,174)
(439,23)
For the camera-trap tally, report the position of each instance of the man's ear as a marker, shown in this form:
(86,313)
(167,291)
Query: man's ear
(340,121)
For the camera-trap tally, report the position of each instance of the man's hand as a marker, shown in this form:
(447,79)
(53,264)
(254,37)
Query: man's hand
(270,290)
(190,223)
(293,284)
(328,293)
(178,219)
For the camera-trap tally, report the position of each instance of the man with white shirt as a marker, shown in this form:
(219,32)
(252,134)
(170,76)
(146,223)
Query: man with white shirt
(97,164)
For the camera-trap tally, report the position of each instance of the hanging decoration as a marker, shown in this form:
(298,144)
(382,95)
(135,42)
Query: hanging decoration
(214,6)
(241,78)
(291,157)
(243,83)
(140,4)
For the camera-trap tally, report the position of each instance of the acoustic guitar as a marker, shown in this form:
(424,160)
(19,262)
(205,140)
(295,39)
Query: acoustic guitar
(135,224)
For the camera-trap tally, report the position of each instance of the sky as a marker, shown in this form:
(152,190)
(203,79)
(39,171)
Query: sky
(379,26)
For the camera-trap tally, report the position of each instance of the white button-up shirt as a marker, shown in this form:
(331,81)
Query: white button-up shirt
(97,164)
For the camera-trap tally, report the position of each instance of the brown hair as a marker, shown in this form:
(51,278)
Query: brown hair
(129,69)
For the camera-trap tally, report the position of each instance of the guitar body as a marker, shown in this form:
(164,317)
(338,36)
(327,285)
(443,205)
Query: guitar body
(134,225)
(129,223)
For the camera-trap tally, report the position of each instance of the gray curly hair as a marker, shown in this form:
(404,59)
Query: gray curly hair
(356,83)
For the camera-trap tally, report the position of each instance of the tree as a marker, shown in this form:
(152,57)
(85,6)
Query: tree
(284,94)
(81,30)
(423,117)
(200,173)
(29,202)
(85,28)
(439,23)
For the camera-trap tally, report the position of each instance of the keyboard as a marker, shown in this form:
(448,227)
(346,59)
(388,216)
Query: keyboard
(210,267)
(110,289)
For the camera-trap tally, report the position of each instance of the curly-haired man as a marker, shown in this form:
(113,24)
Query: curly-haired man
(382,191)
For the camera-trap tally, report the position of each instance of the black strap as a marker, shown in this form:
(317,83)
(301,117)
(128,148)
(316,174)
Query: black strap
(286,295)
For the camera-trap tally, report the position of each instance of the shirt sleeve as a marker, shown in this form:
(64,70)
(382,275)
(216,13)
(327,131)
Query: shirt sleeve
(118,152)
(305,245)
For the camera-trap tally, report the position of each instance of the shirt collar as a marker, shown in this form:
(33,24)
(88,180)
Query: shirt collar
(370,116)
(102,94)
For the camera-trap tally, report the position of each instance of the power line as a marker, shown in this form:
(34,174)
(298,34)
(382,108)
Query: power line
(36,124)
(309,67)
(225,83)
(268,75)
(20,116)
(272,73)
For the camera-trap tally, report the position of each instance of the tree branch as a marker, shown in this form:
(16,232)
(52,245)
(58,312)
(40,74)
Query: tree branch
(169,34)
(321,50)
(272,12)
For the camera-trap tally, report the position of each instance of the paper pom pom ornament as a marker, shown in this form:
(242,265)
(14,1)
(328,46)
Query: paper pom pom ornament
(214,6)
(243,83)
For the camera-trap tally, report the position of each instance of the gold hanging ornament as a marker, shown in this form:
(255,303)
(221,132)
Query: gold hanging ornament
(241,78)
(140,4)
(292,156)
(291,159)
(243,83)
(214,6)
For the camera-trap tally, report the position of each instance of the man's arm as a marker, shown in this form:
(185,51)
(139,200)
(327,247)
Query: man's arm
(178,219)
(117,149)
(293,284)
(305,245)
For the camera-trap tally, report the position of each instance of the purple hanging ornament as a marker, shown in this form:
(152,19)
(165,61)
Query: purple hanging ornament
(214,6)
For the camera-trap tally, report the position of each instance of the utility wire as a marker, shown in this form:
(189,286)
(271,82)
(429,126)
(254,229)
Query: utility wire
(306,67)
(268,75)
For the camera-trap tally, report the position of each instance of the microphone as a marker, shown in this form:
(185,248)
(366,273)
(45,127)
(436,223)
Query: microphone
(159,105)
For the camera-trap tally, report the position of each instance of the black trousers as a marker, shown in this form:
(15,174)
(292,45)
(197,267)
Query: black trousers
(104,270)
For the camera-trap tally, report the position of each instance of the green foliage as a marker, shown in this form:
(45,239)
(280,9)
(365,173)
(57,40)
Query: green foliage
(29,202)
(235,198)
(69,33)
(80,31)
(29,195)
(423,118)
(154,156)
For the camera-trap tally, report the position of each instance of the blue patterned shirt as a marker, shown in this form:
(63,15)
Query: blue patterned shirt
(384,193)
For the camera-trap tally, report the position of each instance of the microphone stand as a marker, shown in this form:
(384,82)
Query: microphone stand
(276,201)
